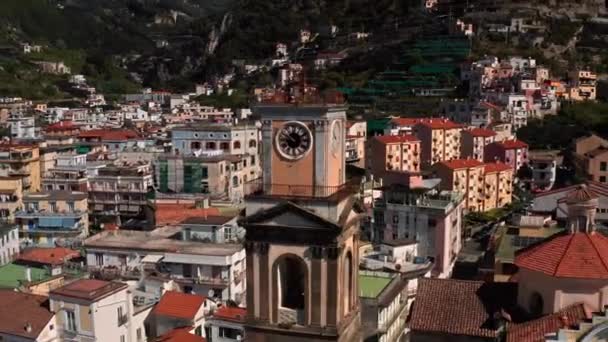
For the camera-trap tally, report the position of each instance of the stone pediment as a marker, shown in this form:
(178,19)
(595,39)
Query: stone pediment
(290,215)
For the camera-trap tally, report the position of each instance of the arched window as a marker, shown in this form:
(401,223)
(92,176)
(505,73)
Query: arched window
(210,145)
(195,145)
(348,283)
(536,304)
(224,146)
(290,279)
(252,143)
(236,144)
(235,181)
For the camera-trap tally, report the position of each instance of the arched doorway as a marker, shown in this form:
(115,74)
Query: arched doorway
(290,290)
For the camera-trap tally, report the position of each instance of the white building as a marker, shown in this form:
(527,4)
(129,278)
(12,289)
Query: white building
(23,127)
(206,268)
(9,243)
(96,310)
(226,324)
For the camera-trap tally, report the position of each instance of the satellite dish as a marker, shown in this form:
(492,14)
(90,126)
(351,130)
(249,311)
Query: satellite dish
(211,293)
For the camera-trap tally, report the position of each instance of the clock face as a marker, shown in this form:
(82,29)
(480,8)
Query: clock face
(336,137)
(293,140)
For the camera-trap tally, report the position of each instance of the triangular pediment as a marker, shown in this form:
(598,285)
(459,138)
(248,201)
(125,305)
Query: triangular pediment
(290,215)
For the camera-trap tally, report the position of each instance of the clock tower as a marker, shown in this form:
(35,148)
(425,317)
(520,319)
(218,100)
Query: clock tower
(302,224)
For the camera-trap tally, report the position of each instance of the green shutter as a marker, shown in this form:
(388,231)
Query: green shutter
(164,176)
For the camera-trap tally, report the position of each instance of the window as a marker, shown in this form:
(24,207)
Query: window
(138,333)
(205,172)
(198,331)
(71,207)
(122,338)
(236,144)
(229,333)
(603,166)
(224,146)
(120,316)
(252,143)
(70,320)
(602,179)
(395,219)
(99,259)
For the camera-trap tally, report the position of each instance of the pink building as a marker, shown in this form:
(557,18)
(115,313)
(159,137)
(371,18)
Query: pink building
(512,152)
(567,268)
(474,141)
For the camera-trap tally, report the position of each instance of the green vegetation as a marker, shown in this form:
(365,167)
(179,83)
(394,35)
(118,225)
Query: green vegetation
(238,99)
(480,218)
(573,121)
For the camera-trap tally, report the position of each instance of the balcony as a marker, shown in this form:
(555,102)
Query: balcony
(27,214)
(258,188)
(211,281)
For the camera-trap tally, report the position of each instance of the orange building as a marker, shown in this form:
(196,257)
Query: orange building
(439,140)
(486,186)
(474,141)
(393,153)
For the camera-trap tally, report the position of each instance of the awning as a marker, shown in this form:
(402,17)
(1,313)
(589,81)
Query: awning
(152,258)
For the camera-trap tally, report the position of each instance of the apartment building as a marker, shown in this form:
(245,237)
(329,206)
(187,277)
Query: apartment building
(356,135)
(96,310)
(474,142)
(208,268)
(222,176)
(9,243)
(392,153)
(112,140)
(485,186)
(55,217)
(400,126)
(119,191)
(230,139)
(11,195)
(544,166)
(22,162)
(511,152)
(498,186)
(465,176)
(582,85)
(429,216)
(439,140)
(69,173)
(23,127)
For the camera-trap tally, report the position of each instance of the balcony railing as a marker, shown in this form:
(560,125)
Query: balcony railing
(36,213)
(259,188)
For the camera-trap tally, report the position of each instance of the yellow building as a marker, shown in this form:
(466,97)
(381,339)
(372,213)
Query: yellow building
(486,186)
(49,217)
(11,194)
(23,162)
(439,140)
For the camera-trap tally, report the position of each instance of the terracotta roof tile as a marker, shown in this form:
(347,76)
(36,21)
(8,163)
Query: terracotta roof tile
(481,132)
(458,307)
(48,256)
(180,335)
(89,289)
(171,214)
(577,255)
(231,313)
(178,304)
(109,134)
(20,309)
(461,163)
(535,331)
(496,167)
(512,144)
(405,121)
(581,194)
(61,126)
(439,123)
(395,139)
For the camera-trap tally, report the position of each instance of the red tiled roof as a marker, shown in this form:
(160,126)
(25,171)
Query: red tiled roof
(481,132)
(512,144)
(439,123)
(535,331)
(405,121)
(496,167)
(89,289)
(581,194)
(20,309)
(48,256)
(62,126)
(395,139)
(180,335)
(109,134)
(490,105)
(596,187)
(461,163)
(577,255)
(170,214)
(231,313)
(458,307)
(178,304)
